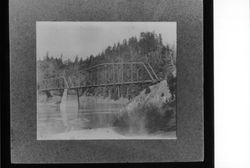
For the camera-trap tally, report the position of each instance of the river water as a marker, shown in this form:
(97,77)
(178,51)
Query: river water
(56,120)
(53,119)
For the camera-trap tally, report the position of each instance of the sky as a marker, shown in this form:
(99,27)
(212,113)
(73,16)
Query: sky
(82,39)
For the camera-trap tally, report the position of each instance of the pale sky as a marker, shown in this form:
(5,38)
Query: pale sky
(86,38)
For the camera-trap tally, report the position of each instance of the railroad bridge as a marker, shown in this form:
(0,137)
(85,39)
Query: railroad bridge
(102,76)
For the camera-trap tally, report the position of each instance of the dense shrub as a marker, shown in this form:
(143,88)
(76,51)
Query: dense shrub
(158,119)
(151,117)
(121,123)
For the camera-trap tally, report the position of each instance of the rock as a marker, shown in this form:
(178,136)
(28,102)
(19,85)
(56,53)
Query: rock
(159,94)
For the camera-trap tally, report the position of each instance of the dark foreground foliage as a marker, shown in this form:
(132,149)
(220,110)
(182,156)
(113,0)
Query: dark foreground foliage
(148,118)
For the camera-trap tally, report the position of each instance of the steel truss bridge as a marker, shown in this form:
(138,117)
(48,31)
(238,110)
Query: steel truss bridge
(102,75)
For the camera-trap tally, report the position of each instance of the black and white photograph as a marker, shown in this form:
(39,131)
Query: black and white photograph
(106,80)
(125,82)
(115,81)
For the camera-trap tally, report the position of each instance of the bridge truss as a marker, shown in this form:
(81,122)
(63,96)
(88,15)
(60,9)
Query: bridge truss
(102,75)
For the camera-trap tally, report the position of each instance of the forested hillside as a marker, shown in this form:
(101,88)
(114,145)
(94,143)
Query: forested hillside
(147,48)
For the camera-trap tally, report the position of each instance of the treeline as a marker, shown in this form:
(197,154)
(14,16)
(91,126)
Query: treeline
(148,48)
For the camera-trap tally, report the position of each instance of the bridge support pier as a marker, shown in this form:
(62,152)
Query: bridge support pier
(127,90)
(118,92)
(109,92)
(78,98)
(103,91)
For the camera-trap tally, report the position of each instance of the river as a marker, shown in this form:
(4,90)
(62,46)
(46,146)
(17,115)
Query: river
(92,121)
(51,120)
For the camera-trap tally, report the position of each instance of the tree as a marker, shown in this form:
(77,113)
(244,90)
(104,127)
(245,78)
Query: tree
(148,42)
(47,56)
(76,60)
(160,39)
